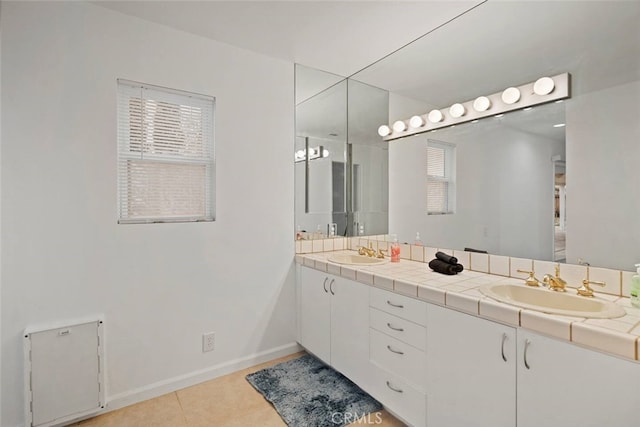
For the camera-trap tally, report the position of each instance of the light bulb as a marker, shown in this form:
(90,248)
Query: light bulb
(435,116)
(399,126)
(511,95)
(482,103)
(544,86)
(325,153)
(457,110)
(416,122)
(384,130)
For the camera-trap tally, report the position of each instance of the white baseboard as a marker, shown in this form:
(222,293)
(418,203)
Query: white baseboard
(176,383)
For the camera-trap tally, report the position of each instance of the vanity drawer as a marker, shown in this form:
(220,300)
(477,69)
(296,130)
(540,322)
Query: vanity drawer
(399,397)
(398,358)
(399,305)
(399,328)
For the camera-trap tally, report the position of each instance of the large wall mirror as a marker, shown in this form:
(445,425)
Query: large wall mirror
(522,186)
(341,164)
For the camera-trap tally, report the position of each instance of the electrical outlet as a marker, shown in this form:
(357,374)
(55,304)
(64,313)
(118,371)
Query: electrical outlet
(208,341)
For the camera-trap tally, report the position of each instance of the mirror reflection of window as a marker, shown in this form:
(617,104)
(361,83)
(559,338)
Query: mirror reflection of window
(440,178)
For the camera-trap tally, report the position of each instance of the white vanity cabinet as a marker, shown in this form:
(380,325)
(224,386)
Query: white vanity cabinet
(397,344)
(482,373)
(562,384)
(334,322)
(437,367)
(471,371)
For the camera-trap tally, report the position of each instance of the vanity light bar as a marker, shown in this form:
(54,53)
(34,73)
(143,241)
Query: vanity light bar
(543,90)
(314,153)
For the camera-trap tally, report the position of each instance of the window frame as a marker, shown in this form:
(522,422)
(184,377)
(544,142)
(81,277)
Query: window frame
(448,177)
(128,152)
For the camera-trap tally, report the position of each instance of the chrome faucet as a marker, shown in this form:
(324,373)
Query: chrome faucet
(555,283)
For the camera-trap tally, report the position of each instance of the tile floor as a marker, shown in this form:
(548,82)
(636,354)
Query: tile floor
(227,401)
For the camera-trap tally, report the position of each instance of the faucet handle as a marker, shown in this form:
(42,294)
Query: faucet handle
(531,280)
(585,290)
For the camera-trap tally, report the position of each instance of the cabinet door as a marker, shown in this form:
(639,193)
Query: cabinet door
(566,385)
(315,312)
(471,371)
(350,329)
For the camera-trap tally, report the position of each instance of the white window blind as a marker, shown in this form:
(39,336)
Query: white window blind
(165,154)
(440,178)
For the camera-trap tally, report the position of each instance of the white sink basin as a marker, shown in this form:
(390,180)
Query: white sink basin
(355,259)
(547,301)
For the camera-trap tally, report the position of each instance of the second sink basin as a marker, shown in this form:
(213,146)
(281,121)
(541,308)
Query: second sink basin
(355,259)
(552,302)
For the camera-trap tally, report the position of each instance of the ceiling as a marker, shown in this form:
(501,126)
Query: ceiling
(509,43)
(341,37)
(484,47)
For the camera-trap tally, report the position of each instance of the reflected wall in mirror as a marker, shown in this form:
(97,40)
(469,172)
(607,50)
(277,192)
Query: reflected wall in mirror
(502,185)
(347,186)
(321,123)
(598,43)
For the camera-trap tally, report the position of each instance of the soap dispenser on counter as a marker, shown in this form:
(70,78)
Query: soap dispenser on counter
(635,288)
(394,250)
(418,241)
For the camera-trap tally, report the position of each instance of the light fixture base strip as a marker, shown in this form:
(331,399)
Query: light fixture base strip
(528,98)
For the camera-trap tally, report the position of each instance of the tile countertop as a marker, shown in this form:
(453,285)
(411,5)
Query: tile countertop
(620,336)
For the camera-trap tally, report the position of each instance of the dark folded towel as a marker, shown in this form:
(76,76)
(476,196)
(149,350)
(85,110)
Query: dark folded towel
(475,250)
(446,258)
(440,266)
(458,268)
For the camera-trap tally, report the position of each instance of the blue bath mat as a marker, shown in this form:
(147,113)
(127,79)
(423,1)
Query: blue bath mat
(308,393)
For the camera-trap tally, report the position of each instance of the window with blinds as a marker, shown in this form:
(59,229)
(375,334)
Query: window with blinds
(165,154)
(440,178)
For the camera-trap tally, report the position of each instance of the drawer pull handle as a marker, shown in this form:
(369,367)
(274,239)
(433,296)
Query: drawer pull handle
(395,351)
(394,328)
(526,348)
(324,284)
(331,286)
(397,390)
(395,305)
(504,338)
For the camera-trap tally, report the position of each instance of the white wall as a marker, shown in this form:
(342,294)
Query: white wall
(504,193)
(0,222)
(373,187)
(603,158)
(159,286)
(401,107)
